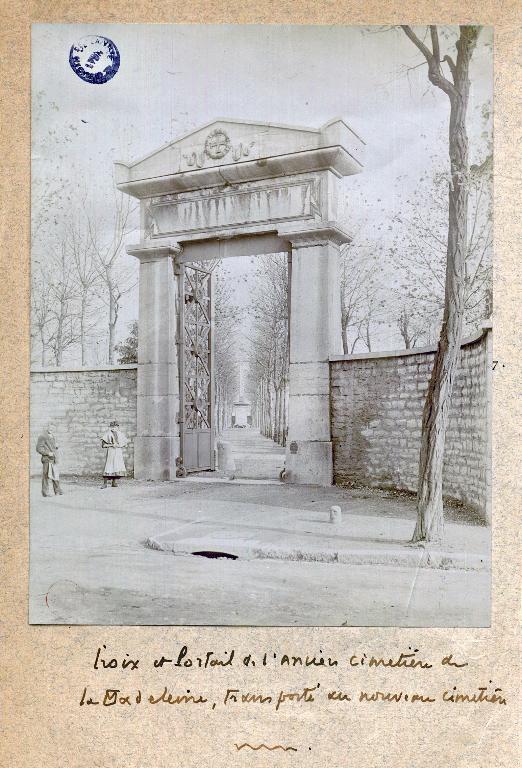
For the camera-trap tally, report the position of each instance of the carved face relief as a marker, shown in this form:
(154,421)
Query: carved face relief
(217,144)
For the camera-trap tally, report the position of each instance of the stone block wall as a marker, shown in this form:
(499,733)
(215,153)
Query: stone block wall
(376,415)
(82,402)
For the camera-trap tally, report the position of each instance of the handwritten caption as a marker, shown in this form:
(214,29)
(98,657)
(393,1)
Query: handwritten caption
(422,691)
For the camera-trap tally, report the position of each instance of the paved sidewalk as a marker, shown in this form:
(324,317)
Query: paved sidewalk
(250,531)
(90,562)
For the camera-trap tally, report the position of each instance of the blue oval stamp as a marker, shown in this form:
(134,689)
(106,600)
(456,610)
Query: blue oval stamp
(95,59)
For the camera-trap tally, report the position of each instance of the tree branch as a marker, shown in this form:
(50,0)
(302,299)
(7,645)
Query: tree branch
(417,42)
(451,65)
(433,58)
(435,42)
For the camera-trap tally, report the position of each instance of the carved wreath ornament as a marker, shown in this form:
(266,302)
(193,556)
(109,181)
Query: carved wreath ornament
(217,144)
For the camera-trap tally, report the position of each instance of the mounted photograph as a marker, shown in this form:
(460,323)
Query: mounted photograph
(261,325)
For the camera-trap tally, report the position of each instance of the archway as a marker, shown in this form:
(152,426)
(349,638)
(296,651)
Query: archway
(238,188)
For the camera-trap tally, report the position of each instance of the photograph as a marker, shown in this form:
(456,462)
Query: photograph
(261,325)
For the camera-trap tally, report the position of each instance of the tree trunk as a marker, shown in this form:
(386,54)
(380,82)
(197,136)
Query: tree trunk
(112,328)
(272,410)
(282,414)
(354,345)
(345,339)
(280,436)
(58,348)
(44,347)
(83,339)
(430,519)
(277,414)
(265,409)
(285,412)
(368,340)
(113,314)
(277,436)
(274,413)
(262,407)
(269,408)
(344,327)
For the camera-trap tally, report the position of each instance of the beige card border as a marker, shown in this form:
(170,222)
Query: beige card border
(44,668)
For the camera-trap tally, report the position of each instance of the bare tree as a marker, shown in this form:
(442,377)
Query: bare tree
(226,325)
(419,252)
(86,277)
(115,281)
(41,312)
(87,249)
(62,298)
(455,84)
(354,276)
(408,330)
(369,315)
(79,274)
(269,348)
(362,297)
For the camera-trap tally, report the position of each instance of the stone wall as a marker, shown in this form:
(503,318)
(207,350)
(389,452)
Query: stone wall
(377,403)
(82,402)
(376,413)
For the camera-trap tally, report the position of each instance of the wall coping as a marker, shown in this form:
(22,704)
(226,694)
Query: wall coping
(84,368)
(486,328)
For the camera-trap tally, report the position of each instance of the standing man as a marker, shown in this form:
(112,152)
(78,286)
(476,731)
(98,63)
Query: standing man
(47,448)
(113,441)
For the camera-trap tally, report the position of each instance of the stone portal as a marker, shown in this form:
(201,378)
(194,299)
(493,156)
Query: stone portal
(228,189)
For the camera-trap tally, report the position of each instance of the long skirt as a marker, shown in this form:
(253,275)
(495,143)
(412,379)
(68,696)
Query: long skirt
(114,464)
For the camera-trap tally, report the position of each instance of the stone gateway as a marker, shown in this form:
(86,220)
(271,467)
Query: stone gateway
(236,188)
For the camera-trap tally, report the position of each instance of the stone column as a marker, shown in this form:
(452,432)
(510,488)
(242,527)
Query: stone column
(157,442)
(315,335)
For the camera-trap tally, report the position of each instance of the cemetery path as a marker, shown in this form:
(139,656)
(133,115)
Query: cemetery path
(255,456)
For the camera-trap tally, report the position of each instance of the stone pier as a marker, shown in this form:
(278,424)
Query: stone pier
(315,334)
(156,446)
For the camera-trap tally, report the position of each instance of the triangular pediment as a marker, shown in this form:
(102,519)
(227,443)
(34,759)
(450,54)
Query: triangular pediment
(245,130)
(224,142)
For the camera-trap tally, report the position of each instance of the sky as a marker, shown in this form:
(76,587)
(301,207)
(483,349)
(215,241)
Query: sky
(174,78)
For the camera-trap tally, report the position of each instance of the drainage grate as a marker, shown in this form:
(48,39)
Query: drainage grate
(211,554)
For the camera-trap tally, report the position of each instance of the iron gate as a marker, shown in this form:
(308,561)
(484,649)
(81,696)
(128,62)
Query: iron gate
(195,368)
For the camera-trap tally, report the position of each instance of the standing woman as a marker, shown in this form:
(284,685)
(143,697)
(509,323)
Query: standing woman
(113,441)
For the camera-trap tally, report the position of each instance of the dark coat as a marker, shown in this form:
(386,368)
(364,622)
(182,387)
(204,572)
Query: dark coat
(46,446)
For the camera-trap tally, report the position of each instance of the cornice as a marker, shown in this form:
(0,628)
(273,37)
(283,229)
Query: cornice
(154,252)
